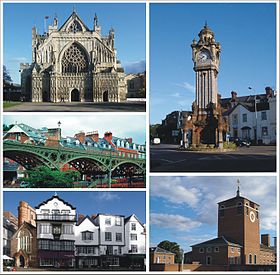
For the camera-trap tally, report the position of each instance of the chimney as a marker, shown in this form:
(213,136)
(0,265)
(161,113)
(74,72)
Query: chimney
(233,96)
(80,136)
(93,216)
(80,217)
(129,140)
(53,137)
(265,239)
(269,92)
(108,136)
(93,135)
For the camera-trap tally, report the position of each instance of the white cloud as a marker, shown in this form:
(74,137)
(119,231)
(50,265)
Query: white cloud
(187,86)
(202,194)
(174,190)
(121,125)
(108,196)
(135,67)
(177,222)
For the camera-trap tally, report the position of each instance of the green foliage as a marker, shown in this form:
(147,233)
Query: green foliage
(43,176)
(172,247)
(153,130)
(229,145)
(7,104)
(7,127)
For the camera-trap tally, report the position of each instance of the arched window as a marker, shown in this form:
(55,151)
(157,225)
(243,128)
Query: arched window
(118,143)
(74,60)
(250,258)
(24,241)
(75,27)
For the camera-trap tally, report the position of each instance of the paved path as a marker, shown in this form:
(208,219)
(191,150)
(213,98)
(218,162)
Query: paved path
(166,158)
(78,107)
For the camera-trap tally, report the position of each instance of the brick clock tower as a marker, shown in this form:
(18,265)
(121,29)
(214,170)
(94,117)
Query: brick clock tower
(238,220)
(206,124)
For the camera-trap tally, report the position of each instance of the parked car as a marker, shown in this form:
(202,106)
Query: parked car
(239,142)
(156,141)
(24,184)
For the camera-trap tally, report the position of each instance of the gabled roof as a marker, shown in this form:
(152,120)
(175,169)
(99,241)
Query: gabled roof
(57,197)
(129,217)
(160,250)
(73,16)
(84,218)
(221,241)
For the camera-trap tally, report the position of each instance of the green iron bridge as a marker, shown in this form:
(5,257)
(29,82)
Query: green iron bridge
(87,162)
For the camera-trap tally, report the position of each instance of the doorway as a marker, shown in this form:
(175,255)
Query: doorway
(75,95)
(21,261)
(105,96)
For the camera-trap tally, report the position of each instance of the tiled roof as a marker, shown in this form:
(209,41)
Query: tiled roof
(218,241)
(159,250)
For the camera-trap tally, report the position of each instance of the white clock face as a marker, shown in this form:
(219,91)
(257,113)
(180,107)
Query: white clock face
(202,56)
(252,216)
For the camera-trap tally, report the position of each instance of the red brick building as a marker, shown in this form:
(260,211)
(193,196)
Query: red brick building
(238,241)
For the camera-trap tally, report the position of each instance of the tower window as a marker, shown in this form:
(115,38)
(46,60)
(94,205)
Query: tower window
(239,208)
(222,211)
(255,259)
(250,259)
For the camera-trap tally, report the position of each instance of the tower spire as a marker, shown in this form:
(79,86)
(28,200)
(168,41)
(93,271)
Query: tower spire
(238,188)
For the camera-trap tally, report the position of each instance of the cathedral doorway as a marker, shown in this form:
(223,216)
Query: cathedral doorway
(105,96)
(21,261)
(75,95)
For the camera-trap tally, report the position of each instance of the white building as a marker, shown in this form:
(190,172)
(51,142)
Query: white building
(135,236)
(248,120)
(102,240)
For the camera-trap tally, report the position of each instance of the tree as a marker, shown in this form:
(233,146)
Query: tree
(172,247)
(153,130)
(42,176)
(6,75)
(6,127)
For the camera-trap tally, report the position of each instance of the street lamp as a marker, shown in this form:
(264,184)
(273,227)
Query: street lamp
(256,115)
(182,262)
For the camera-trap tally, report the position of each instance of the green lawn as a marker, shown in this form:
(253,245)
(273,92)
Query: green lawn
(7,104)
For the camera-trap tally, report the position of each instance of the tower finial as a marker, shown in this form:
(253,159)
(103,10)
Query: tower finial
(55,194)
(205,26)
(74,8)
(238,188)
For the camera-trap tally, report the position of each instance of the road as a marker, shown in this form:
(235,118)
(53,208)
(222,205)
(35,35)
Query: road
(167,158)
(78,107)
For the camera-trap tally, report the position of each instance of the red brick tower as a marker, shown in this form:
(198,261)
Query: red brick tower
(238,219)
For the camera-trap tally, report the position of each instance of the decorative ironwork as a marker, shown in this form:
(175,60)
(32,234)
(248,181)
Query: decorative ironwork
(75,27)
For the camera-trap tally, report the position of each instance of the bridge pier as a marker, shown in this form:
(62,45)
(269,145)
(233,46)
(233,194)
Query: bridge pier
(109,179)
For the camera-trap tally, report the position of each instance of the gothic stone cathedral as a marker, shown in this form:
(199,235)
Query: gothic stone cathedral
(73,63)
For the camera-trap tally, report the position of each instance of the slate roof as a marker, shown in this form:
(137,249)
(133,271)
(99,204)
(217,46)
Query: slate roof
(221,241)
(159,250)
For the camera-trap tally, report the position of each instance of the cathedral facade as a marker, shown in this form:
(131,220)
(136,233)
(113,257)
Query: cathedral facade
(73,63)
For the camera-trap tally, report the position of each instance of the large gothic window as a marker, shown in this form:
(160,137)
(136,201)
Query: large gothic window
(74,60)
(75,27)
(24,241)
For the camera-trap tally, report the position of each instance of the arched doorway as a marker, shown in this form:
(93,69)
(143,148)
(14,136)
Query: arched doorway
(105,96)
(75,95)
(21,261)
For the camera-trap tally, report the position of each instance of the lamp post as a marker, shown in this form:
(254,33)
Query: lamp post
(182,262)
(256,115)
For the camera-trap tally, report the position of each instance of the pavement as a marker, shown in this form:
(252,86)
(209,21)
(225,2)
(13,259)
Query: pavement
(78,107)
(167,158)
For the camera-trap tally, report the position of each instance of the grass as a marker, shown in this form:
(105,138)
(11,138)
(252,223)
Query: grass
(7,104)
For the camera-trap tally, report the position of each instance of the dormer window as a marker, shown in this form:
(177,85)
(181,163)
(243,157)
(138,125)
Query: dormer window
(108,221)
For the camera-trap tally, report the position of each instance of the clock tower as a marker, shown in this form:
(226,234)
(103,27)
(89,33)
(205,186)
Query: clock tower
(206,124)
(206,58)
(238,220)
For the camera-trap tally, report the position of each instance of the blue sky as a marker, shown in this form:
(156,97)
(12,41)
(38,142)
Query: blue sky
(184,209)
(121,125)
(247,33)
(128,21)
(86,202)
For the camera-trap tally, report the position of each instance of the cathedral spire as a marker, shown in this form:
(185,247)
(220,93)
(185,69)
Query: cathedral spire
(238,188)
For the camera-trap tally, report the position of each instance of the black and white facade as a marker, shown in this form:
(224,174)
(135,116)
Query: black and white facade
(102,240)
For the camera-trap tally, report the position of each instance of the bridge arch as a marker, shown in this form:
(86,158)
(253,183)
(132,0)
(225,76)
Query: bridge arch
(28,159)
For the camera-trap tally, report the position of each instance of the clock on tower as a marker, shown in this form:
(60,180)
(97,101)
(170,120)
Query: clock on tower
(206,58)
